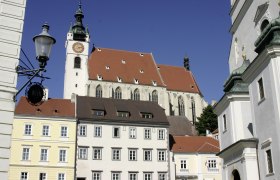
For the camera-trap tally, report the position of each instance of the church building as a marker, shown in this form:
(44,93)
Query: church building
(120,74)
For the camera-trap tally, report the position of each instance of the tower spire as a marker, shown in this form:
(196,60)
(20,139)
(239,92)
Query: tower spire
(78,29)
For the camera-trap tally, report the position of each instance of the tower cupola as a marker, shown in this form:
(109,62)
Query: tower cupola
(78,29)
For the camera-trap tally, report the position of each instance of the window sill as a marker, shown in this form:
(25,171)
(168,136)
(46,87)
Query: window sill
(269,174)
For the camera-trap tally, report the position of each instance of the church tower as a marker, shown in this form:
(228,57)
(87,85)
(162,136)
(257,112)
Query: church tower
(77,49)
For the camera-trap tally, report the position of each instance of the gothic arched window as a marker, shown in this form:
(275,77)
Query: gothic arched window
(118,93)
(136,95)
(181,106)
(77,62)
(98,92)
(155,96)
(193,110)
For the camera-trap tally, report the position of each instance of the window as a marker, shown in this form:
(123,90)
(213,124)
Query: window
(44,155)
(123,114)
(132,133)
(77,62)
(136,95)
(116,154)
(24,176)
(96,175)
(97,153)
(183,165)
(132,154)
(155,96)
(162,176)
(116,132)
(96,112)
(269,161)
(147,133)
(161,155)
(212,165)
(146,115)
(116,176)
(261,89)
(43,176)
(62,155)
(97,131)
(132,176)
(63,131)
(181,106)
(82,130)
(45,130)
(118,93)
(147,176)
(224,123)
(148,155)
(25,154)
(82,153)
(27,129)
(98,92)
(61,176)
(161,134)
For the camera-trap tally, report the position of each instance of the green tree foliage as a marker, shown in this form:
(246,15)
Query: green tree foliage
(207,121)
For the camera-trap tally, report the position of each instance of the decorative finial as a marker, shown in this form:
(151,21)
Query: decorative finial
(243,53)
(187,62)
(80,4)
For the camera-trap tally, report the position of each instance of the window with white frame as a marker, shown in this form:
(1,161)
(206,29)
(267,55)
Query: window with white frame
(132,133)
(96,175)
(161,155)
(46,130)
(161,134)
(132,154)
(147,176)
(25,153)
(116,175)
(82,130)
(212,165)
(27,129)
(147,133)
(261,88)
(116,154)
(97,131)
(162,176)
(269,161)
(44,155)
(132,176)
(42,176)
(147,154)
(63,131)
(62,155)
(61,176)
(183,165)
(24,176)
(224,123)
(82,152)
(97,153)
(116,132)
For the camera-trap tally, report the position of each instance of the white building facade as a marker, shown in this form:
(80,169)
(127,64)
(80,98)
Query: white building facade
(248,113)
(121,139)
(11,27)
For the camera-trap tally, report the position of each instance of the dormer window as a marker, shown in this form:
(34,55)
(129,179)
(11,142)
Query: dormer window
(98,49)
(123,61)
(141,54)
(123,114)
(141,71)
(154,83)
(146,115)
(97,112)
(136,81)
(107,67)
(99,77)
(119,79)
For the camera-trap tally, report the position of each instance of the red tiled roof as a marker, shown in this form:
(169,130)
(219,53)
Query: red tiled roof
(49,108)
(178,79)
(195,144)
(125,65)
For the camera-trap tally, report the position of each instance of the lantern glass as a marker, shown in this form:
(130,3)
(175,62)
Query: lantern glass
(43,45)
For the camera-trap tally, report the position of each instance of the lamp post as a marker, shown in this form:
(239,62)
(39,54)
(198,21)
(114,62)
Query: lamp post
(43,44)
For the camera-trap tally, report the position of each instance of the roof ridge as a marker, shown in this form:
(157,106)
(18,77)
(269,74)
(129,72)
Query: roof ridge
(123,50)
(158,72)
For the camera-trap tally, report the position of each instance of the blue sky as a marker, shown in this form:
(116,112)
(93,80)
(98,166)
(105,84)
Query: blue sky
(168,29)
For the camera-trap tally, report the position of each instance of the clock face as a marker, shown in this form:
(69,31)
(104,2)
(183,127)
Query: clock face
(78,47)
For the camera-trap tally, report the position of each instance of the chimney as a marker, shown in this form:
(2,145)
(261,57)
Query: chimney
(187,63)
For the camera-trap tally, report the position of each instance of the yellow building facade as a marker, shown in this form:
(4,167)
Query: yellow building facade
(43,141)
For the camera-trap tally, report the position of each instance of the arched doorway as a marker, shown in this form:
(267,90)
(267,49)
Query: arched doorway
(235,175)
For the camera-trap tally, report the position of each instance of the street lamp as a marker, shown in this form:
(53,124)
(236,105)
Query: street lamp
(43,44)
